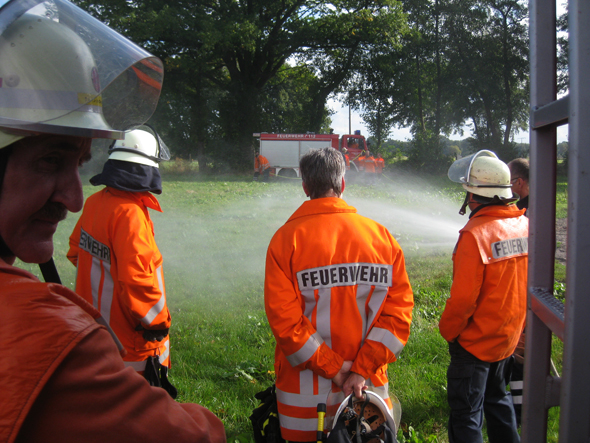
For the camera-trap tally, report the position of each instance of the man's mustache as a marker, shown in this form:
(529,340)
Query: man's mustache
(53,211)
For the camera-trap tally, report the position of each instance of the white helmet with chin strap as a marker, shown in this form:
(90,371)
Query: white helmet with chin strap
(64,72)
(483,174)
(143,146)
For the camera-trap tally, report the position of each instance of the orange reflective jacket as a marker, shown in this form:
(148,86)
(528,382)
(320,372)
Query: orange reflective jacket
(63,380)
(379,164)
(361,162)
(370,164)
(120,269)
(260,163)
(335,289)
(487,307)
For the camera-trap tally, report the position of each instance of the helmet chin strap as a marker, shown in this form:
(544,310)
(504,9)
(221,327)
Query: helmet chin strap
(465,203)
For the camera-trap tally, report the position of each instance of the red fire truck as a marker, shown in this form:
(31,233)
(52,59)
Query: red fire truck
(283,151)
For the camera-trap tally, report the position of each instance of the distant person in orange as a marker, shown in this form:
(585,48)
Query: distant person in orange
(361,161)
(346,158)
(261,166)
(379,164)
(339,306)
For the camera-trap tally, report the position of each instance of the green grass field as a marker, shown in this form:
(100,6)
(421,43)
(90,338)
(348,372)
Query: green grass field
(213,235)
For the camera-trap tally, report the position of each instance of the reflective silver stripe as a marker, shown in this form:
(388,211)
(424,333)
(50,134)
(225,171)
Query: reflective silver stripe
(166,352)
(306,378)
(137,365)
(298,424)
(323,313)
(158,307)
(375,303)
(300,400)
(518,384)
(95,276)
(385,337)
(309,299)
(362,292)
(306,351)
(517,399)
(108,287)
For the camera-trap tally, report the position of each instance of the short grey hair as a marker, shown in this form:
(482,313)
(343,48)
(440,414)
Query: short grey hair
(322,170)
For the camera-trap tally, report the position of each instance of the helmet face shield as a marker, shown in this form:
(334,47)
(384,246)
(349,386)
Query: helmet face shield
(64,72)
(460,169)
(483,174)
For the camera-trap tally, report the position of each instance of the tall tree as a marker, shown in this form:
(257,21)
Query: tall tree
(239,46)
(489,46)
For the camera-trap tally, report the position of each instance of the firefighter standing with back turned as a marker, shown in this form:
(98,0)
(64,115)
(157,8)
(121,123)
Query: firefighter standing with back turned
(119,265)
(485,314)
(339,306)
(62,377)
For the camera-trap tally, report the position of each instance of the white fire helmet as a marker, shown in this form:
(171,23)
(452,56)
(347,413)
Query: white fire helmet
(376,406)
(484,174)
(143,146)
(64,72)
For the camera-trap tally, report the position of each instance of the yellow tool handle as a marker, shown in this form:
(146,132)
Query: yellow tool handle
(321,415)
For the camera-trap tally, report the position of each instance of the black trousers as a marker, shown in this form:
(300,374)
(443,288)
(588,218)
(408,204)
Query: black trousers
(476,388)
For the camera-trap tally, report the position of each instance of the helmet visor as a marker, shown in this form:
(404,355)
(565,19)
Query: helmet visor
(460,169)
(123,83)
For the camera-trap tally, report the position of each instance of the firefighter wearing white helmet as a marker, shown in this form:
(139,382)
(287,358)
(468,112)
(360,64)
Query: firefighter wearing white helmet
(58,70)
(483,174)
(485,314)
(126,279)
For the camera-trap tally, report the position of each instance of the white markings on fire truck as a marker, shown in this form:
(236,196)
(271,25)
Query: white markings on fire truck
(345,274)
(513,246)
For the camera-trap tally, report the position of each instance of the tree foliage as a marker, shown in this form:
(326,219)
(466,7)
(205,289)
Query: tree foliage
(228,57)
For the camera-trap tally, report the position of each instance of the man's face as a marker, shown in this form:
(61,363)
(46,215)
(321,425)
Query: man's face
(40,185)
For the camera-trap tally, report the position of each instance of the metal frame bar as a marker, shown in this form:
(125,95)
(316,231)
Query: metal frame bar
(542,181)
(545,315)
(574,423)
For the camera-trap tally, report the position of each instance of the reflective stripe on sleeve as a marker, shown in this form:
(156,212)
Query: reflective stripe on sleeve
(516,384)
(158,307)
(517,399)
(386,338)
(166,352)
(306,351)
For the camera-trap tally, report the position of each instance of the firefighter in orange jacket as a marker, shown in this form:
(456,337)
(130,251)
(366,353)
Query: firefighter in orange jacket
(339,307)
(113,246)
(379,164)
(62,376)
(485,314)
(261,166)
